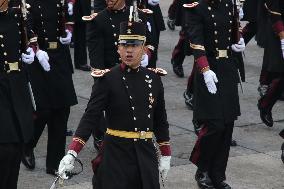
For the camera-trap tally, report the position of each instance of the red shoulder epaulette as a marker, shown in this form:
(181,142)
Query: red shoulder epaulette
(99,73)
(159,71)
(89,18)
(190,5)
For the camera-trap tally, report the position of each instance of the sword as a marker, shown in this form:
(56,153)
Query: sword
(54,183)
(240,81)
(32,96)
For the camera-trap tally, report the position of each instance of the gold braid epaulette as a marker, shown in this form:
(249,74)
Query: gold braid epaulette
(190,5)
(90,17)
(159,71)
(99,73)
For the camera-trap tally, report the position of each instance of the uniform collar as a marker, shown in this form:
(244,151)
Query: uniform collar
(118,11)
(127,69)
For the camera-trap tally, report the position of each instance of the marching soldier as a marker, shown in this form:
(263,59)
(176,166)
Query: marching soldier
(81,8)
(216,101)
(51,78)
(133,99)
(176,17)
(273,57)
(16,126)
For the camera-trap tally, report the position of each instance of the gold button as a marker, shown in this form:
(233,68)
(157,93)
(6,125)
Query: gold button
(212,15)
(5,54)
(1,36)
(230,30)
(215,24)
(115,43)
(216,32)
(216,41)
(2,45)
(226,5)
(230,13)
(46,39)
(230,22)
(57,5)
(113,26)
(229,38)
(114,34)
(209,8)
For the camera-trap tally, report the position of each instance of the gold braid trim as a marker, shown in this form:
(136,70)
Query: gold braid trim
(77,139)
(199,47)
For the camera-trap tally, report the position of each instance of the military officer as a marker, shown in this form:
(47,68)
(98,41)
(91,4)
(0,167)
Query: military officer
(102,35)
(133,99)
(273,57)
(79,9)
(51,78)
(16,126)
(216,101)
(176,16)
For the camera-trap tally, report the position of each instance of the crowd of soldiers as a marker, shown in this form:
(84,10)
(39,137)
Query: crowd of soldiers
(126,109)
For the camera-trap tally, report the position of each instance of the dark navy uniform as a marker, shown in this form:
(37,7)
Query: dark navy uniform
(16,126)
(182,47)
(130,109)
(207,21)
(81,8)
(54,90)
(273,60)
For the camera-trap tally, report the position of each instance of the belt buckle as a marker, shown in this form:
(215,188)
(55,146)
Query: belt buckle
(13,66)
(52,45)
(222,54)
(142,135)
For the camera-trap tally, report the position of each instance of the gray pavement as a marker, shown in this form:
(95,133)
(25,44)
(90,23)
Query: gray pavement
(254,164)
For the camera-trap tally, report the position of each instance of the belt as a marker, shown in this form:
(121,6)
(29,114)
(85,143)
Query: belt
(130,134)
(10,67)
(226,53)
(52,45)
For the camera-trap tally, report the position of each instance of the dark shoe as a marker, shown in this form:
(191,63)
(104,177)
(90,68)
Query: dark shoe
(171,24)
(223,185)
(51,171)
(233,142)
(282,155)
(85,67)
(28,158)
(203,180)
(265,116)
(188,100)
(69,132)
(177,68)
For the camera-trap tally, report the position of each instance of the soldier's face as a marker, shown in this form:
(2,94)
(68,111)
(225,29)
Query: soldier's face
(131,54)
(115,4)
(3,5)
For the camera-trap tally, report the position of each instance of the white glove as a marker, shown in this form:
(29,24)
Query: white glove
(241,13)
(210,79)
(282,47)
(29,57)
(240,47)
(66,40)
(43,59)
(164,166)
(70,9)
(153,2)
(67,164)
(145,60)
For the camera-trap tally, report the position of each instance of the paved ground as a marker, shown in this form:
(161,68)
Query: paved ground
(254,164)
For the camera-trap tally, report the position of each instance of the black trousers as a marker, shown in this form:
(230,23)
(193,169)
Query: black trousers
(10,160)
(276,87)
(178,54)
(56,120)
(211,151)
(80,47)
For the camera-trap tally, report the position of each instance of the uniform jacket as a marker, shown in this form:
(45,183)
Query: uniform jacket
(133,101)
(16,123)
(53,89)
(207,22)
(102,37)
(273,58)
